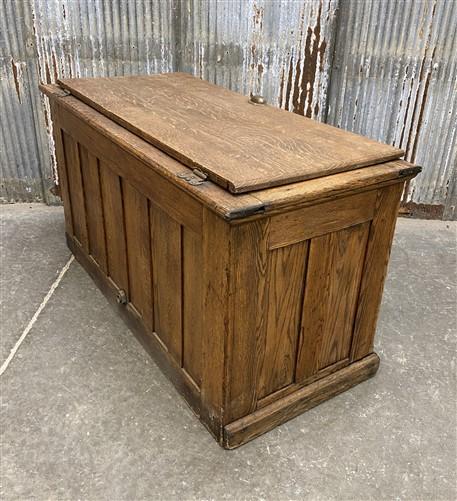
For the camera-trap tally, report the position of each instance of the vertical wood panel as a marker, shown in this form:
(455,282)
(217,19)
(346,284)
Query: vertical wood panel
(192,303)
(166,259)
(377,257)
(93,199)
(113,213)
(247,339)
(332,284)
(62,171)
(215,318)
(137,229)
(286,270)
(75,186)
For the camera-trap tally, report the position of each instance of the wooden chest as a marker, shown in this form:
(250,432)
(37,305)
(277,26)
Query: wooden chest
(245,246)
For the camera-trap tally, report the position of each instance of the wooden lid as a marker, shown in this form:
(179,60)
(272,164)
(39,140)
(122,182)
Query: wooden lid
(239,145)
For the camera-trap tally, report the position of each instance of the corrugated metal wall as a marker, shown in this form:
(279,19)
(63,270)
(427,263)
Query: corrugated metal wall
(383,68)
(394,78)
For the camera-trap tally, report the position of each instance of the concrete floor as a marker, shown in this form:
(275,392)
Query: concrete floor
(87,415)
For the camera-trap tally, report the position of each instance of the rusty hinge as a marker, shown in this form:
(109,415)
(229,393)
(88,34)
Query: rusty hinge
(196,178)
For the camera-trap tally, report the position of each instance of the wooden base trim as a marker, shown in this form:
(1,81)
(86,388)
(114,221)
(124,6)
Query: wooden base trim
(150,341)
(242,430)
(291,388)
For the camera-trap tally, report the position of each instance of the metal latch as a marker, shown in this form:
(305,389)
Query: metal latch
(196,178)
(121,296)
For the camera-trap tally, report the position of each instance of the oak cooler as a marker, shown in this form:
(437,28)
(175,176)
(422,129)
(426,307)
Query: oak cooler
(245,246)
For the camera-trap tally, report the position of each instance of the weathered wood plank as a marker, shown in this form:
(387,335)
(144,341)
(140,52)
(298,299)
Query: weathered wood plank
(246,344)
(374,273)
(62,169)
(167,280)
(215,319)
(138,238)
(113,215)
(332,283)
(93,199)
(192,303)
(175,201)
(75,187)
(309,222)
(99,131)
(285,277)
(227,132)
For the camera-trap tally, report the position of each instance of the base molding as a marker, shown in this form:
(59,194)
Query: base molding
(251,426)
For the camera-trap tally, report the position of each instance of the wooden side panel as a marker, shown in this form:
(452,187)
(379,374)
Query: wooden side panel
(167,280)
(377,257)
(93,199)
(76,190)
(286,275)
(303,224)
(113,214)
(215,319)
(62,169)
(247,338)
(332,285)
(192,303)
(138,238)
(176,202)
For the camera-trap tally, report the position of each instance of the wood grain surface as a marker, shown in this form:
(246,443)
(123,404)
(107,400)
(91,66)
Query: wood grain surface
(332,284)
(139,260)
(241,146)
(113,214)
(374,273)
(286,279)
(167,280)
(255,317)
(284,409)
(94,207)
(309,222)
(126,150)
(75,188)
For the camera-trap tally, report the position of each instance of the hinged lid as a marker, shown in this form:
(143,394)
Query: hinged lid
(240,144)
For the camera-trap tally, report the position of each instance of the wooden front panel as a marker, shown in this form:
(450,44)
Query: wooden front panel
(192,264)
(75,188)
(113,216)
(94,208)
(166,256)
(140,247)
(138,238)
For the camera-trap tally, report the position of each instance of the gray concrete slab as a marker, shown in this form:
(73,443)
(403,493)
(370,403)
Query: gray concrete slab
(32,252)
(87,415)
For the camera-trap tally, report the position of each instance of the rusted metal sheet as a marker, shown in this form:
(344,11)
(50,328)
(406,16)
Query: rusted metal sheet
(279,49)
(42,40)
(90,38)
(394,79)
(386,69)
(24,159)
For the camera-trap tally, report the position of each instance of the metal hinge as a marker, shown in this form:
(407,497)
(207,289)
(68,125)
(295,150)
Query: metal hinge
(196,178)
